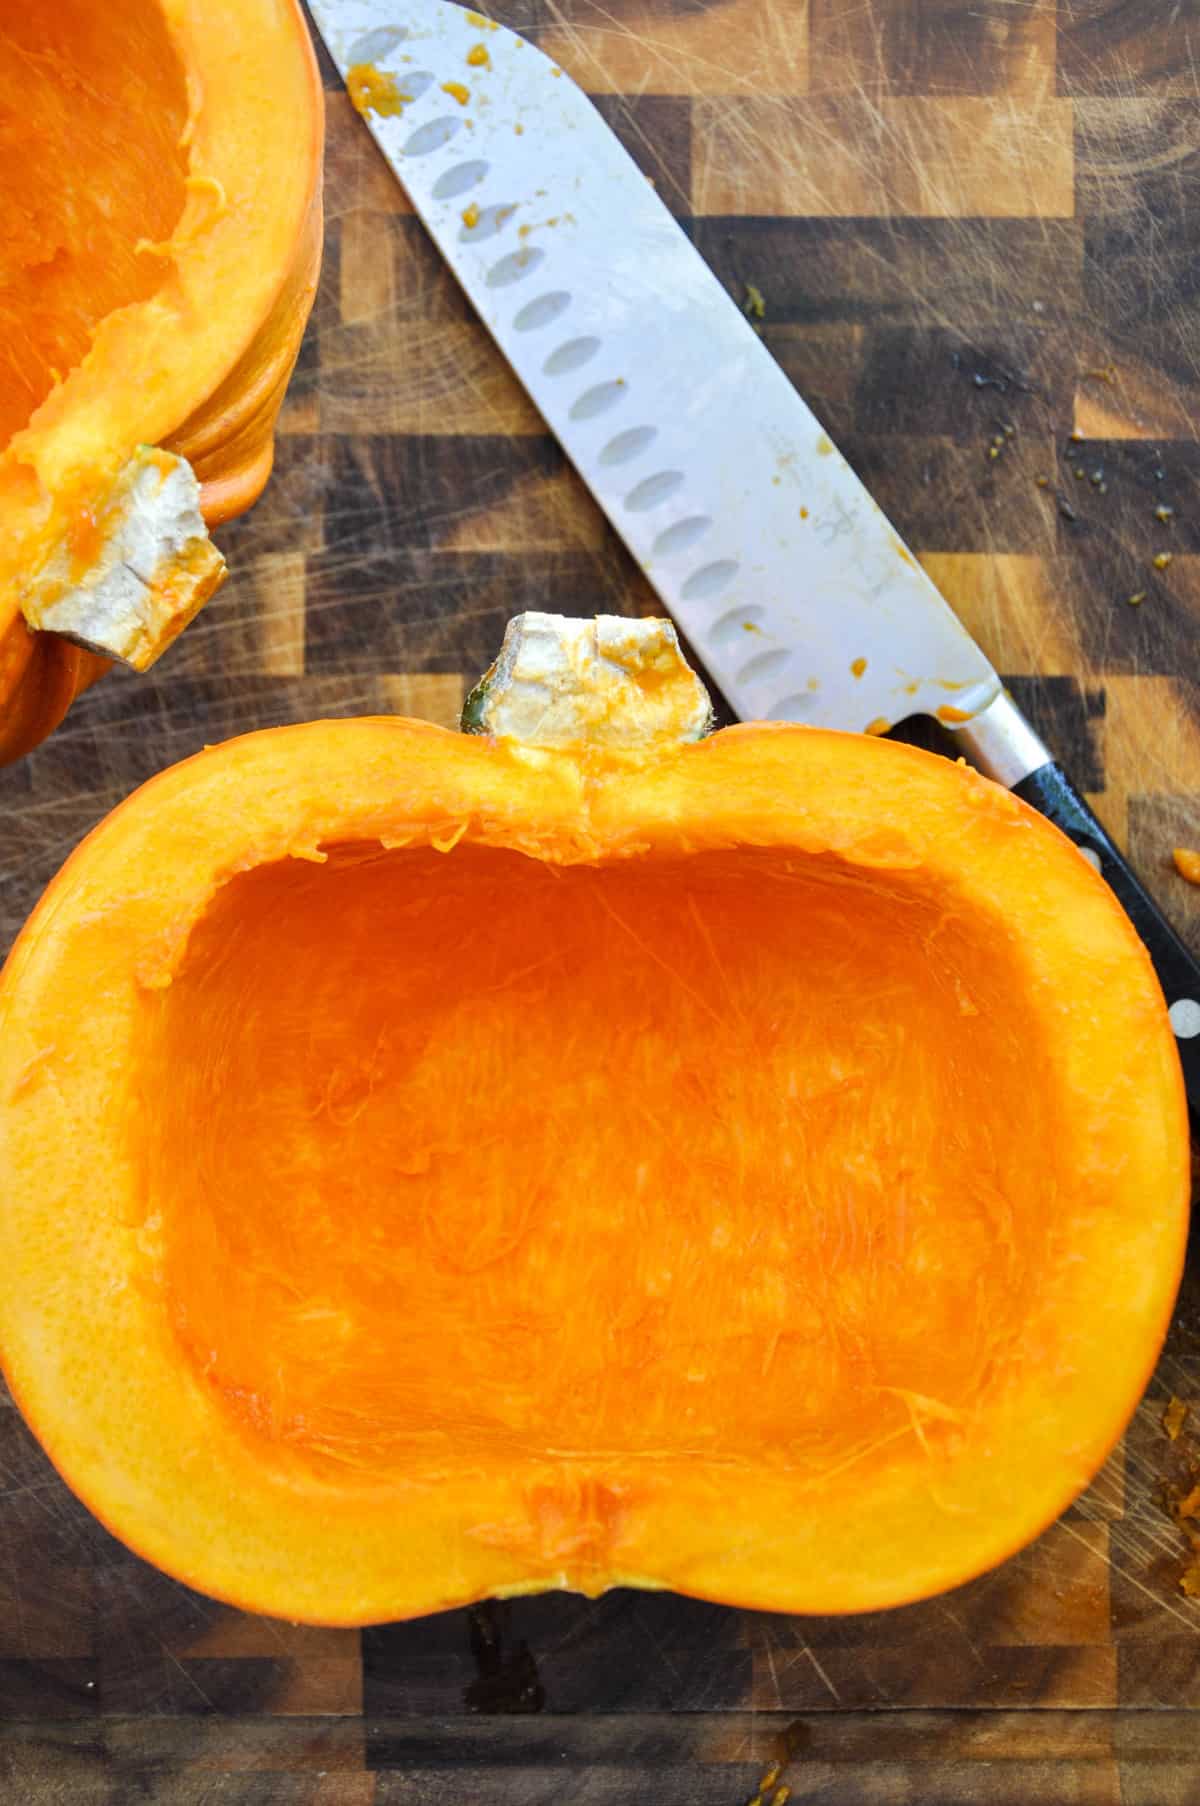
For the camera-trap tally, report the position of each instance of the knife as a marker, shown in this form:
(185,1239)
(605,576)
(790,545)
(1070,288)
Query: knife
(797,593)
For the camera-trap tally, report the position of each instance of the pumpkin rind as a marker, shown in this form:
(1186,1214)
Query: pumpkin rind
(216,1498)
(199,366)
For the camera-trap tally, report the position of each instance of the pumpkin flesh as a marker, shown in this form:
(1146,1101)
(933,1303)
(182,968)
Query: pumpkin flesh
(94,103)
(160,182)
(599,1159)
(516,1170)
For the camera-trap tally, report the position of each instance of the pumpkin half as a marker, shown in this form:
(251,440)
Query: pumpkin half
(581,1154)
(160,192)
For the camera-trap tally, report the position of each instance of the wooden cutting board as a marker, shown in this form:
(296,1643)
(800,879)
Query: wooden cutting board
(975,231)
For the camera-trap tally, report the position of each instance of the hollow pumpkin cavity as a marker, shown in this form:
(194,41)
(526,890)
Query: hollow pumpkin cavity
(93,105)
(458,1153)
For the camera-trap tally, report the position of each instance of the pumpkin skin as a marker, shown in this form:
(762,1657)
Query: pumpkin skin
(157,282)
(437,1166)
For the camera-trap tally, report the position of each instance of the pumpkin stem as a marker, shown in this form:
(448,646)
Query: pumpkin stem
(612,681)
(134,565)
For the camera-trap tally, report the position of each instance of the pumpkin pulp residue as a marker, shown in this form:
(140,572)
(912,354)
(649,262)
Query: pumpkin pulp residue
(93,106)
(373,90)
(686,1156)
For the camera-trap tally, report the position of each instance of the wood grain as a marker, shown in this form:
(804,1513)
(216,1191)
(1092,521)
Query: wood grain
(961,218)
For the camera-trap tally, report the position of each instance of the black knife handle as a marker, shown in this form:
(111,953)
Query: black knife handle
(1051,792)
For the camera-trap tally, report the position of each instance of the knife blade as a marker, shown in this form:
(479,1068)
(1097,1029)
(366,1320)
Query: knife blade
(798,594)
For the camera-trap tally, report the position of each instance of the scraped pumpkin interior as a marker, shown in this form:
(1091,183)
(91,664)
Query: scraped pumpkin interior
(674,1155)
(93,105)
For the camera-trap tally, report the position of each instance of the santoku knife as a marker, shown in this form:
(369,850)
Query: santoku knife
(797,593)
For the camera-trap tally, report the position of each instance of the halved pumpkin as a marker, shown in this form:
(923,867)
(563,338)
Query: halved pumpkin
(160,191)
(436,1166)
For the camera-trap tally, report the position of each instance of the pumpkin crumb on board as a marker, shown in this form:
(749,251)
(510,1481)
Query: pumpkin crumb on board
(754,305)
(1187,864)
(858,666)
(1174,1417)
(1163,513)
(1163,560)
(457,91)
(373,90)
(1136,600)
(764,1796)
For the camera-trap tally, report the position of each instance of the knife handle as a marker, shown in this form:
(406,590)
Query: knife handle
(1003,744)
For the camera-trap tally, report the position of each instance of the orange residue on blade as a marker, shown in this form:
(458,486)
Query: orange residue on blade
(1187,864)
(373,90)
(804,514)
(878,726)
(824,447)
(858,666)
(470,216)
(457,91)
(948,713)
(478,57)
(480,23)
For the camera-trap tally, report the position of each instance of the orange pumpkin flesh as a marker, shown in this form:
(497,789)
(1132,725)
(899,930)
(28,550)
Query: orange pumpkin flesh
(436,1168)
(70,257)
(160,184)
